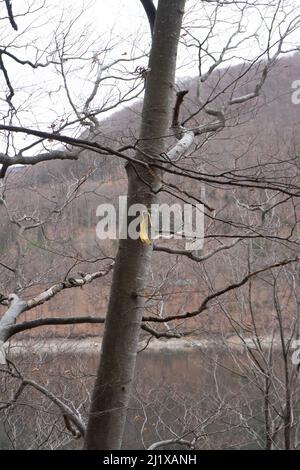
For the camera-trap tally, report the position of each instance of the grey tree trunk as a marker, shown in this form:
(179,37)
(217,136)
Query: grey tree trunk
(113,384)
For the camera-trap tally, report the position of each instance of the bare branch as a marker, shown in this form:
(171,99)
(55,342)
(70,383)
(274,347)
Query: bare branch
(150,12)
(204,305)
(67,284)
(10,14)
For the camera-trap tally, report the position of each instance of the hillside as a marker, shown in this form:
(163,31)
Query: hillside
(264,131)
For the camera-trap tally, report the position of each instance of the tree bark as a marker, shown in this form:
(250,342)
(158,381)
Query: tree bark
(115,374)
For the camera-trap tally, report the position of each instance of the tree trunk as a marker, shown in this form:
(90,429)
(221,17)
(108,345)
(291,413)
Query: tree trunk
(113,385)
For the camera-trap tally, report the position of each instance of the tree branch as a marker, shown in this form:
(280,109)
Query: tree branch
(68,414)
(150,12)
(7,161)
(10,14)
(192,256)
(18,306)
(204,305)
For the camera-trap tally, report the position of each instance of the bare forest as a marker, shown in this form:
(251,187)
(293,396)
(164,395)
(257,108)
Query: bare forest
(172,341)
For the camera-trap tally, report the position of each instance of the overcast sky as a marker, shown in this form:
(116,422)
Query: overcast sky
(121,26)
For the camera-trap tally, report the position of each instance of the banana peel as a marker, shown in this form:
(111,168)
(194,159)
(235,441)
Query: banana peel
(144,228)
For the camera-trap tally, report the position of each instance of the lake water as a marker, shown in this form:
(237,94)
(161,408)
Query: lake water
(203,391)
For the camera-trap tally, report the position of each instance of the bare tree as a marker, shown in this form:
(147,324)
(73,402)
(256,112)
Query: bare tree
(196,142)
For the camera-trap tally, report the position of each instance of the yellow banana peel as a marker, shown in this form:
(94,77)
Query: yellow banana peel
(144,228)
